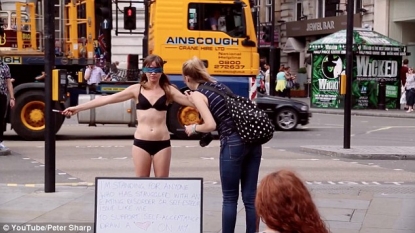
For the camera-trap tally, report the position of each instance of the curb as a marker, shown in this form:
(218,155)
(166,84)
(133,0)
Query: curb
(80,184)
(365,113)
(5,152)
(358,155)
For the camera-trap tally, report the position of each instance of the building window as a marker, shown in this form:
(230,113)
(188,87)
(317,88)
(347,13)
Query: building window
(299,9)
(329,8)
(268,12)
(357,6)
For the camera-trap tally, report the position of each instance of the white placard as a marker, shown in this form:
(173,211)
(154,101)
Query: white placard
(146,205)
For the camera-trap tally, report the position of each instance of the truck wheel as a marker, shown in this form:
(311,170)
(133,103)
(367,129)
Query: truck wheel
(28,118)
(179,116)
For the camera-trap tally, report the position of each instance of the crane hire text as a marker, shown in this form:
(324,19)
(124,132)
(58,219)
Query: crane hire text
(201,41)
(376,68)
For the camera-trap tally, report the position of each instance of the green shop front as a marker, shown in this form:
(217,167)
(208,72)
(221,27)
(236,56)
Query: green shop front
(377,59)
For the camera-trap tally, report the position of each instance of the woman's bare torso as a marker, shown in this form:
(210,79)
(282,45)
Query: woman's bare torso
(151,123)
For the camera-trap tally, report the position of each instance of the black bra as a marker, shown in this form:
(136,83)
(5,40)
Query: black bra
(144,104)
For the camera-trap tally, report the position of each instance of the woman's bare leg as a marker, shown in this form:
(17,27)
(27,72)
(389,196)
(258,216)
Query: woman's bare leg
(142,162)
(161,163)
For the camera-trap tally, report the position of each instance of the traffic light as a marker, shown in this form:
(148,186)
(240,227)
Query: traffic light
(130,18)
(266,36)
(105,13)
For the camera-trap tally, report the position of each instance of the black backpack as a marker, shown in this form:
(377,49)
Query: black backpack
(252,123)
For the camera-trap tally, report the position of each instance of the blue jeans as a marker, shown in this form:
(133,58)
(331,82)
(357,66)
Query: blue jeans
(239,162)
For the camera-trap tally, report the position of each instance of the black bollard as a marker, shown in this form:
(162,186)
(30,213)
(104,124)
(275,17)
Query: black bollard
(382,95)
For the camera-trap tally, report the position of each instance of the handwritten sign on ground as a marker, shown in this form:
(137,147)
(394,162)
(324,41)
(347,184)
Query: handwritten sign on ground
(144,205)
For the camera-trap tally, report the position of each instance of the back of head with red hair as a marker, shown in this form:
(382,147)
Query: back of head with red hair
(284,204)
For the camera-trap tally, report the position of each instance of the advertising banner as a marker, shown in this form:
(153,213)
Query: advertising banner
(325,81)
(377,59)
(370,70)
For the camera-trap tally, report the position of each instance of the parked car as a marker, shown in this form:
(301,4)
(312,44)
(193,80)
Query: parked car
(285,113)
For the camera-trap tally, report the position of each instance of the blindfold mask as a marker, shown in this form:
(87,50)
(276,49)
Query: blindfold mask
(153,70)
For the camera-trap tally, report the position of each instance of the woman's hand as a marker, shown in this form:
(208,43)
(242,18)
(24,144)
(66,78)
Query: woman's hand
(189,129)
(189,96)
(70,111)
(12,102)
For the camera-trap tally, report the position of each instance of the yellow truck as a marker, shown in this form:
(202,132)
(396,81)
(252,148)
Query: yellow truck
(220,32)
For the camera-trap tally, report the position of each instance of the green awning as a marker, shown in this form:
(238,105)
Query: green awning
(365,42)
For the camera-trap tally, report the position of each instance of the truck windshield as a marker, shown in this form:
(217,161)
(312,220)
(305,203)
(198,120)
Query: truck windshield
(223,18)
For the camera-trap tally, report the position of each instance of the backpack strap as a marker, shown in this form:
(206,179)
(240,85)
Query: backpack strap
(224,94)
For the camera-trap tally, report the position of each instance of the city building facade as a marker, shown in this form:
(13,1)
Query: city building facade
(400,22)
(300,22)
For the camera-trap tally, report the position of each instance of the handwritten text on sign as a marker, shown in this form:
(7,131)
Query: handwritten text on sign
(148,205)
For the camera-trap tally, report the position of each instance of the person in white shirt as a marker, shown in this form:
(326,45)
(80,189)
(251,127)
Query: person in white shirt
(94,75)
(267,77)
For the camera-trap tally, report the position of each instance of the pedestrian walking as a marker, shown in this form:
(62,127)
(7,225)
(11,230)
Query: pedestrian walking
(410,90)
(239,161)
(152,96)
(6,88)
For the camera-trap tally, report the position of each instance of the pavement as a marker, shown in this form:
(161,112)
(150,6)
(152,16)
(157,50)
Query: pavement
(357,190)
(364,152)
(396,113)
(5,152)
(345,209)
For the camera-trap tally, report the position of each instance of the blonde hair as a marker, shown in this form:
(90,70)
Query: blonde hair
(196,70)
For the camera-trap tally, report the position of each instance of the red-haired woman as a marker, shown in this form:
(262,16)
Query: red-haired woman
(285,206)
(152,96)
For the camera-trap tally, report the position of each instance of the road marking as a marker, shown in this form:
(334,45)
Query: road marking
(99,146)
(312,183)
(121,158)
(99,158)
(207,158)
(336,159)
(398,169)
(395,183)
(26,158)
(376,130)
(61,173)
(34,162)
(308,159)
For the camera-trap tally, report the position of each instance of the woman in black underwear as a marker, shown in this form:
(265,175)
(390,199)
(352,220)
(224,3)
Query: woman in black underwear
(152,95)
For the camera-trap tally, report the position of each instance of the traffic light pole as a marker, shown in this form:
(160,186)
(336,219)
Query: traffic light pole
(50,140)
(146,27)
(272,51)
(349,75)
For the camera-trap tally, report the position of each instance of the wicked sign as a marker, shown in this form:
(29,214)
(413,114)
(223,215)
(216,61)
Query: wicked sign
(376,57)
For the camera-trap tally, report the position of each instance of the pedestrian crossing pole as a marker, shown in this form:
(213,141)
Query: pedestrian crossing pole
(349,75)
(272,52)
(50,141)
